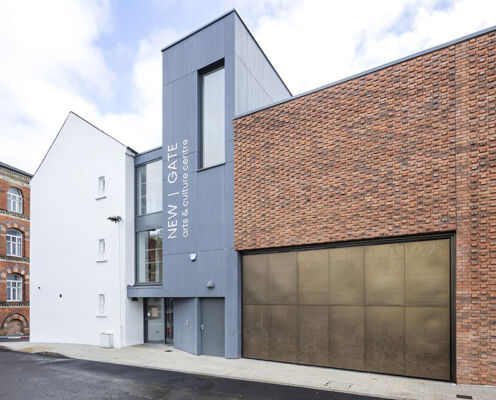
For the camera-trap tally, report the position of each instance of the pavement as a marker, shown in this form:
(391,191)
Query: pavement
(167,358)
(35,376)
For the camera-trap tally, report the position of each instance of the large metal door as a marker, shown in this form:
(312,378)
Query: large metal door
(381,308)
(212,327)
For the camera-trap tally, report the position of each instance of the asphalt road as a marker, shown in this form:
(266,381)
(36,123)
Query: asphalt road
(32,376)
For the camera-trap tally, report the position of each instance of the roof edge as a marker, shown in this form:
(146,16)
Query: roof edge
(150,150)
(371,70)
(62,127)
(14,169)
(235,12)
(199,29)
(263,53)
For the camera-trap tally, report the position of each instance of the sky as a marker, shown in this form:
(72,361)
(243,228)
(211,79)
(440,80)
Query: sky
(102,58)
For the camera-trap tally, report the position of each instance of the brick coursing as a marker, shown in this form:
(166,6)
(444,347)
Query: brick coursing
(407,149)
(8,264)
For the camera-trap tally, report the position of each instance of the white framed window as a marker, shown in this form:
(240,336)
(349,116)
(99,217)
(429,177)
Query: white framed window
(14,200)
(149,188)
(14,243)
(102,251)
(14,287)
(101,304)
(101,187)
(149,256)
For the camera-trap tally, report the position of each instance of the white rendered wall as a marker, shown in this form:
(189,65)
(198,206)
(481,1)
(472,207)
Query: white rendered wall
(67,220)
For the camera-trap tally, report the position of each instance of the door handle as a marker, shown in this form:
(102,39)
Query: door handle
(201,327)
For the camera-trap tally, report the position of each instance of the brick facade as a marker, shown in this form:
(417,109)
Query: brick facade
(407,149)
(14,314)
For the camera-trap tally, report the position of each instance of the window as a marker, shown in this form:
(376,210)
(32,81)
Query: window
(101,304)
(149,256)
(14,200)
(14,287)
(213,121)
(149,188)
(101,186)
(101,249)
(14,243)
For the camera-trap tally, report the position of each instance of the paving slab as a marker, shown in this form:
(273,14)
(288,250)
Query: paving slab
(168,358)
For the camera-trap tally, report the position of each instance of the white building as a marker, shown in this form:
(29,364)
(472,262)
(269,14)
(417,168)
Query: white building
(86,177)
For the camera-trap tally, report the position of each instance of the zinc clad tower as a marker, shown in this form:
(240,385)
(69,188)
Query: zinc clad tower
(209,77)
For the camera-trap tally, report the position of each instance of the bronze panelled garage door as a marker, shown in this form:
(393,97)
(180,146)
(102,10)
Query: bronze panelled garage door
(381,308)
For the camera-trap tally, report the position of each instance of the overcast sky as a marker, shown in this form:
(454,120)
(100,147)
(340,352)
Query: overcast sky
(101,59)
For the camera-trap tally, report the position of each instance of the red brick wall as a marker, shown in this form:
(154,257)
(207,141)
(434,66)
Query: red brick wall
(8,264)
(476,210)
(404,150)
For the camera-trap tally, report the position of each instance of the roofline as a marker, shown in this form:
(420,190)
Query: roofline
(232,11)
(62,127)
(14,169)
(263,53)
(150,150)
(198,29)
(371,70)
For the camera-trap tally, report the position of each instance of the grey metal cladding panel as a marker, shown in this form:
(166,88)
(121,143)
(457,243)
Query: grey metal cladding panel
(144,291)
(230,152)
(230,61)
(241,88)
(210,266)
(186,278)
(250,55)
(180,107)
(229,205)
(181,244)
(149,222)
(181,275)
(197,51)
(211,208)
(250,92)
(152,155)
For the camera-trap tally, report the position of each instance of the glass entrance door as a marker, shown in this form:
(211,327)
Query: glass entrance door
(154,320)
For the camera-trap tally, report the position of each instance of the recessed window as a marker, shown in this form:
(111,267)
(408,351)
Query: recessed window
(14,243)
(102,255)
(14,287)
(213,120)
(14,200)
(101,304)
(149,188)
(149,256)
(101,186)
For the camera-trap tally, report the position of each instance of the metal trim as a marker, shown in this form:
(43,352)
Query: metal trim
(349,243)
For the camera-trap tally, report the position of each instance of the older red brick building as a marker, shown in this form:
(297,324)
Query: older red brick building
(405,153)
(14,251)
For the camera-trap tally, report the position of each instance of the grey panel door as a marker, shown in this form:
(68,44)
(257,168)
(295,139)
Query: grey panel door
(212,327)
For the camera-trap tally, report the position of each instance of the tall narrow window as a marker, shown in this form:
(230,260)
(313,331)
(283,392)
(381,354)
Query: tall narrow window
(14,287)
(14,243)
(213,121)
(14,200)
(149,188)
(101,304)
(101,249)
(149,256)
(101,186)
